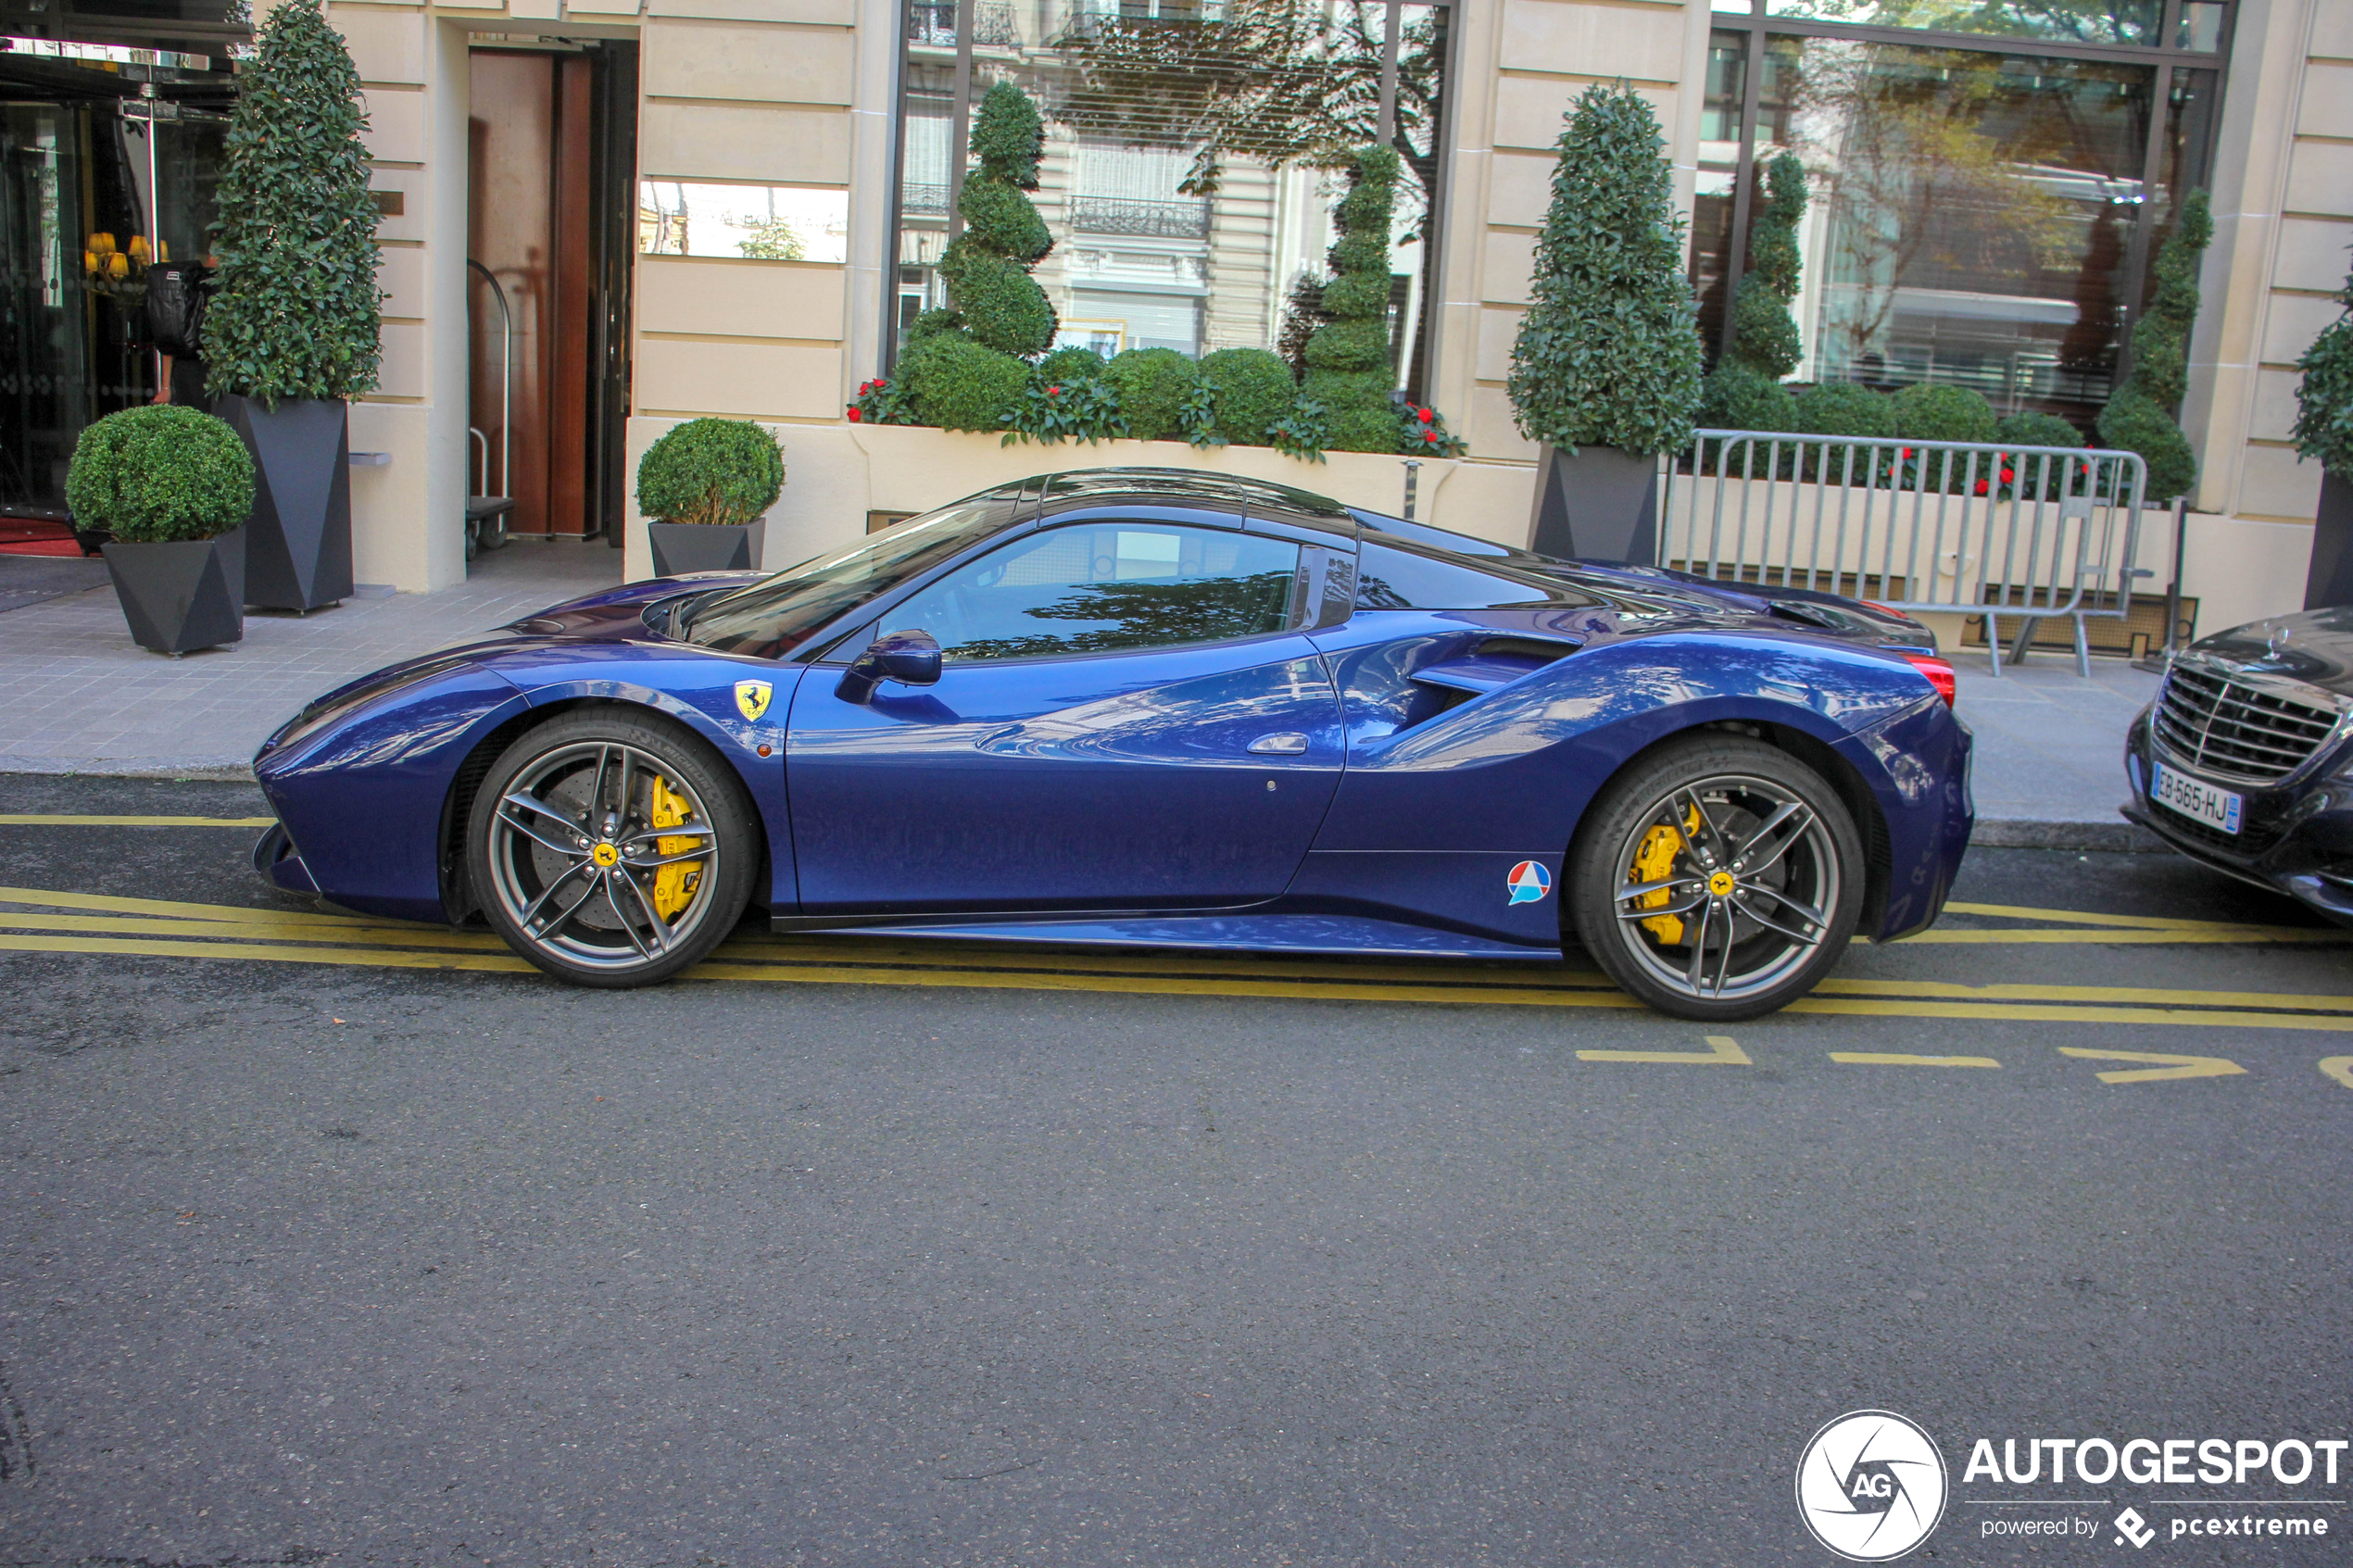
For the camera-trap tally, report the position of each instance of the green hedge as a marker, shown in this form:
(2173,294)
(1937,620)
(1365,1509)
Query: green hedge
(1152,384)
(1841,409)
(2033,428)
(160,473)
(1930,412)
(2137,422)
(1072,363)
(710,471)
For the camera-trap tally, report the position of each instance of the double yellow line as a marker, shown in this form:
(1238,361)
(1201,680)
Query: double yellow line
(51,920)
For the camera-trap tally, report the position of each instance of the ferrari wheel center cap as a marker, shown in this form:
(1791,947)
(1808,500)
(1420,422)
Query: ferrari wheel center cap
(608,855)
(1720,884)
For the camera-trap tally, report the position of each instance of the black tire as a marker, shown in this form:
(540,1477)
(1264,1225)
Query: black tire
(1713,937)
(608,899)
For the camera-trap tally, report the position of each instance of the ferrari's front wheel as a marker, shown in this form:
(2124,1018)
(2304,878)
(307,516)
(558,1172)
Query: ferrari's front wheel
(1717,879)
(611,849)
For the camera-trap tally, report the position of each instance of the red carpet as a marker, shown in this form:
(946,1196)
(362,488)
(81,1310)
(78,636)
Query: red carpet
(36,536)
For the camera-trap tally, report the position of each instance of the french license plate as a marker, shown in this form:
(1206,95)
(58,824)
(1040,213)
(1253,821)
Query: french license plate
(2176,791)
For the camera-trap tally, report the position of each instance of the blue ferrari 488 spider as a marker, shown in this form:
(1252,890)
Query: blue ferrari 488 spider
(1157,708)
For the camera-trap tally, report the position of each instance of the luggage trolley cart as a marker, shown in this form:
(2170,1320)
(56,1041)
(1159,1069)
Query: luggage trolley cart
(486,513)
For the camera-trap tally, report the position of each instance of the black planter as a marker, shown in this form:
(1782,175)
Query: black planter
(701,546)
(187,594)
(1600,504)
(92,541)
(299,540)
(2330,578)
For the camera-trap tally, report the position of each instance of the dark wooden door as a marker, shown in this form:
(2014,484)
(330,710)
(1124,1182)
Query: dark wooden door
(528,222)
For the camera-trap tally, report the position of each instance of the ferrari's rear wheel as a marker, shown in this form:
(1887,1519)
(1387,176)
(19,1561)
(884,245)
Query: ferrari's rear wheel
(612,850)
(1718,880)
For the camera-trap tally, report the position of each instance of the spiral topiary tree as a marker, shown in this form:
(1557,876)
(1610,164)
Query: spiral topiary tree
(2325,432)
(987,267)
(1764,335)
(1605,372)
(2139,416)
(1347,358)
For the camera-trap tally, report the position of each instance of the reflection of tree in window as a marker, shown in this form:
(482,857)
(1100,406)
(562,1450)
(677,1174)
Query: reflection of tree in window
(1138,615)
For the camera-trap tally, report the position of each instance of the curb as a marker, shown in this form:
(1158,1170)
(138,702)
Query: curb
(2114,835)
(208,769)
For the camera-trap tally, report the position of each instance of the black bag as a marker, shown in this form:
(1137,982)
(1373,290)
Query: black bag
(176,296)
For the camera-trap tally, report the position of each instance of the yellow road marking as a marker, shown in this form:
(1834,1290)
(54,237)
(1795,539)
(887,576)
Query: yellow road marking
(2122,938)
(52,898)
(2168,1066)
(1720,1048)
(1898,1059)
(2089,917)
(251,931)
(2004,991)
(33,820)
(368,957)
(2339,1068)
(1860,1007)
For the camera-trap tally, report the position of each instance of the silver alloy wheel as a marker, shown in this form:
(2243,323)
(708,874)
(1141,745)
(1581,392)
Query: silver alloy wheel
(1748,898)
(578,860)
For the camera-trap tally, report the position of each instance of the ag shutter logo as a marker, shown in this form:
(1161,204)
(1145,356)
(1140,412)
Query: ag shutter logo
(1870,1485)
(1527,882)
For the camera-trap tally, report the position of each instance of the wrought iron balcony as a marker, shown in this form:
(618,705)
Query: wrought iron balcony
(1179,219)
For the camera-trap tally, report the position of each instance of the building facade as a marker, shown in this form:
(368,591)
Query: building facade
(735,207)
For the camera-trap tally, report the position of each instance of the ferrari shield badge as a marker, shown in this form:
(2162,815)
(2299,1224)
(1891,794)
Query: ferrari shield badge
(751,698)
(1528,881)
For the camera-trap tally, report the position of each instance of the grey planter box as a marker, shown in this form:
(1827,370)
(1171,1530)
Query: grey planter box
(2330,578)
(185,595)
(1600,504)
(695,546)
(299,548)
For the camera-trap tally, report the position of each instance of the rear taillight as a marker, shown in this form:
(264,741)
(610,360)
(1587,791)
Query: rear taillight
(1939,674)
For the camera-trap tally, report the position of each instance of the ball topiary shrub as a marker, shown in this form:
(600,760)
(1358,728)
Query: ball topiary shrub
(955,383)
(159,473)
(2323,429)
(712,472)
(987,267)
(1152,384)
(1841,409)
(2032,428)
(1930,412)
(1073,363)
(1251,392)
(2135,421)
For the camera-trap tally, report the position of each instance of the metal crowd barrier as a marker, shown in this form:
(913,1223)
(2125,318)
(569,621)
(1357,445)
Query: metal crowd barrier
(2030,533)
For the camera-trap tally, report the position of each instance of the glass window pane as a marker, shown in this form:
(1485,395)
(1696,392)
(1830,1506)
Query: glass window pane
(1720,136)
(2200,25)
(1101,587)
(2075,21)
(744,222)
(1191,160)
(1972,218)
(1392,577)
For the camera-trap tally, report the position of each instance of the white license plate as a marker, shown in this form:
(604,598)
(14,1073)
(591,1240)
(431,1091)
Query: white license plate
(2176,791)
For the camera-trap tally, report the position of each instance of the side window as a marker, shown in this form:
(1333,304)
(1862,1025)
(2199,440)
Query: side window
(1098,587)
(1394,578)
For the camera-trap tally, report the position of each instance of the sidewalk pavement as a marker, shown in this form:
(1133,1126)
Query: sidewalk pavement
(78,696)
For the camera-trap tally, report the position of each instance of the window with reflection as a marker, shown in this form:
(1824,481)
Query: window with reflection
(1107,587)
(1191,157)
(743,222)
(1981,213)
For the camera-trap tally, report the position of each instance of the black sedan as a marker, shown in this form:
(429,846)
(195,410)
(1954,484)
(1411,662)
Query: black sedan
(2243,762)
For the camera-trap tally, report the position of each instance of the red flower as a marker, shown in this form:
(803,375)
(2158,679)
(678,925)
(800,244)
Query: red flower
(2008,475)
(1908,452)
(879,383)
(865,387)
(853,413)
(1981,487)
(1426,416)
(1054,391)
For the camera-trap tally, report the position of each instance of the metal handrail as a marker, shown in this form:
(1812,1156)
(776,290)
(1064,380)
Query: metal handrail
(2027,531)
(505,388)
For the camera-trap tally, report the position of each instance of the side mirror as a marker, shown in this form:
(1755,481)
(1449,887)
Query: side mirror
(910,658)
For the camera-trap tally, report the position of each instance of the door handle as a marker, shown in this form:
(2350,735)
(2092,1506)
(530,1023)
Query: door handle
(1287,744)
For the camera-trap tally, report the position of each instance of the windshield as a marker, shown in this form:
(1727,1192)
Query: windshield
(775,615)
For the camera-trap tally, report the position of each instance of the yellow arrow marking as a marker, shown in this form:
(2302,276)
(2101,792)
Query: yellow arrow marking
(1721,1048)
(2339,1068)
(1897,1059)
(30,819)
(2171,1066)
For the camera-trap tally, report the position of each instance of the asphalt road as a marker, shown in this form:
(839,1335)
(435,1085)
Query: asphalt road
(884,1255)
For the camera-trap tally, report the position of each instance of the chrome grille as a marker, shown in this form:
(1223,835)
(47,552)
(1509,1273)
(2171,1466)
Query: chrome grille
(2237,730)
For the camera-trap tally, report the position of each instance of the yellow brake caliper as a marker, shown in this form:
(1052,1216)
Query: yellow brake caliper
(673,885)
(1653,860)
